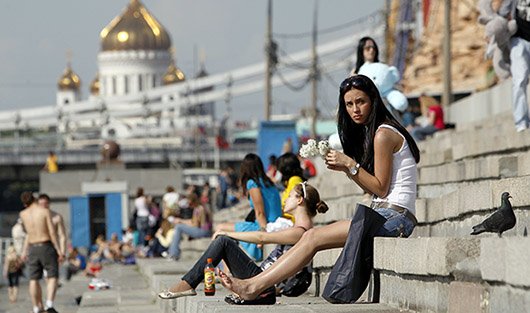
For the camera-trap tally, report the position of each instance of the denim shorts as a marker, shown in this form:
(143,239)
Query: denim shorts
(396,225)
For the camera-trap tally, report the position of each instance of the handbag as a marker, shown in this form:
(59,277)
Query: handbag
(351,273)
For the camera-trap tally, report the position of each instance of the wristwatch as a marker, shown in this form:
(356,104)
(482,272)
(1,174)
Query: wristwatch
(354,170)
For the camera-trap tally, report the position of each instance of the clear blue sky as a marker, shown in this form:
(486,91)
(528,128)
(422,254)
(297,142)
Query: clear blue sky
(37,34)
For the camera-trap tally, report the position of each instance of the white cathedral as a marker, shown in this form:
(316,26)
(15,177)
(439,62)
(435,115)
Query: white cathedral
(135,62)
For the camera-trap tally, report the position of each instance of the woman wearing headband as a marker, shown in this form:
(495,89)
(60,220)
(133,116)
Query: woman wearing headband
(303,202)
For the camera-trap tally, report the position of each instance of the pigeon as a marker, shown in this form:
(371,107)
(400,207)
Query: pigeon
(500,221)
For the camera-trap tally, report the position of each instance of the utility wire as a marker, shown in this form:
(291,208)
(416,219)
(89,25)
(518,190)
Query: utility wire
(351,23)
(291,86)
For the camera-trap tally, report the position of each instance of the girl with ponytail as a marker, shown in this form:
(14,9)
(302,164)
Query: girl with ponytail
(303,203)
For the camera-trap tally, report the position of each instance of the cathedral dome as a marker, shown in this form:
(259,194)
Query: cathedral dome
(134,29)
(94,86)
(69,80)
(173,75)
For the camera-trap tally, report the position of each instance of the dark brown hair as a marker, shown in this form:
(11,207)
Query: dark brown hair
(252,168)
(27,198)
(312,199)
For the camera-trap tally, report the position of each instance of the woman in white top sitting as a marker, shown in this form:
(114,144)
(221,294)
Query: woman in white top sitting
(380,156)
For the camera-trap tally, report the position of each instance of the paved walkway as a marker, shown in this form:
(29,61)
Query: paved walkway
(129,292)
(64,302)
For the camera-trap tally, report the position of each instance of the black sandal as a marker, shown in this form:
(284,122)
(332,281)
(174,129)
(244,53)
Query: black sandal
(268,297)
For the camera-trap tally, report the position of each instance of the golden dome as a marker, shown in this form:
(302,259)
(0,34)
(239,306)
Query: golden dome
(94,86)
(69,80)
(134,29)
(173,75)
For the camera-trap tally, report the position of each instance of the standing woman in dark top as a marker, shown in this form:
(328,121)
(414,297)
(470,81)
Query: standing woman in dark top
(367,51)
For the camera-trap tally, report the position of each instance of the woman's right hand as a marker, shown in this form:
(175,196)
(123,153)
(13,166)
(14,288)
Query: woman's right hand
(338,161)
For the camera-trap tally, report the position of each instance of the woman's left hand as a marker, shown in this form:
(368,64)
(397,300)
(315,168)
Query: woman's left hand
(218,233)
(338,161)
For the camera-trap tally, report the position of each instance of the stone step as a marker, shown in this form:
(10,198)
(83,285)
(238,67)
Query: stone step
(472,197)
(488,167)
(305,304)
(333,185)
(447,138)
(436,274)
(449,145)
(340,209)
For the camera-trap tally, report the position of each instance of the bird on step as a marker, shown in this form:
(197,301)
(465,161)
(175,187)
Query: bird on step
(500,221)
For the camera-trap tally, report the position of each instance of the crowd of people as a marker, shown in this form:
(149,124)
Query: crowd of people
(379,154)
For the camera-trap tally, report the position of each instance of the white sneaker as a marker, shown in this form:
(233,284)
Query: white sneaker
(521,128)
(164,254)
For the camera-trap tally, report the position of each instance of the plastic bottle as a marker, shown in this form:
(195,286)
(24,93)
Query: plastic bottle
(209,278)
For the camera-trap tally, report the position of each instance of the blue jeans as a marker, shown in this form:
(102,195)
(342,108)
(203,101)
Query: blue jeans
(520,69)
(142,224)
(397,224)
(420,132)
(193,232)
(227,249)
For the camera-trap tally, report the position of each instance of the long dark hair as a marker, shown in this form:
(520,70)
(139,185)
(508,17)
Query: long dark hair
(360,52)
(289,166)
(252,168)
(358,140)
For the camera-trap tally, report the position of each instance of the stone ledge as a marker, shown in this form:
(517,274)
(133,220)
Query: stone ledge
(427,256)
(501,260)
(302,304)
(462,227)
(474,197)
(326,258)
(506,260)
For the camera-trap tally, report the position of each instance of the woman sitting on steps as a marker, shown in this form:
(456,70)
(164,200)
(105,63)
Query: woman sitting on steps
(303,202)
(380,156)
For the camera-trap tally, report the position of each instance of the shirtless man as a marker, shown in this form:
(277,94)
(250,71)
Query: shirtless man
(40,249)
(58,224)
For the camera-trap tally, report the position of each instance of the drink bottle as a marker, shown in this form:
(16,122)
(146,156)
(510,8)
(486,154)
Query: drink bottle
(209,278)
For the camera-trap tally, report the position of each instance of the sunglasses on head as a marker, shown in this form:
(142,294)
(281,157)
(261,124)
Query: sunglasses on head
(352,81)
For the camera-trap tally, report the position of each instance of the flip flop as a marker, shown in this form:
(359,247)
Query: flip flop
(166,294)
(268,297)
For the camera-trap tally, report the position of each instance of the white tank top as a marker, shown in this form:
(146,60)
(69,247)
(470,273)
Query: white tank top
(402,191)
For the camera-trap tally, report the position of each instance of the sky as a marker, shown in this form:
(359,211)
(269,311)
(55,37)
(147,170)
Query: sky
(37,35)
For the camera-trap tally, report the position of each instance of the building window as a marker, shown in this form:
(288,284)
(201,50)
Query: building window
(126,82)
(153,81)
(66,101)
(140,87)
(113,85)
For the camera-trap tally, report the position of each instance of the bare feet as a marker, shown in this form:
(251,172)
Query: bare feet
(181,286)
(238,286)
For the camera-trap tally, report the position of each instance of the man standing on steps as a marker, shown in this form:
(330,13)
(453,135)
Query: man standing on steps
(519,10)
(41,249)
(58,225)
